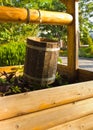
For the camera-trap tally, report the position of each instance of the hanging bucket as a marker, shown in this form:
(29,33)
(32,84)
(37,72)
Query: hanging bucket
(41,60)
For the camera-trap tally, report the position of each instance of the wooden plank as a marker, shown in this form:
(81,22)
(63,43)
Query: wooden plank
(34,16)
(84,123)
(49,118)
(10,68)
(72,40)
(20,104)
(85,75)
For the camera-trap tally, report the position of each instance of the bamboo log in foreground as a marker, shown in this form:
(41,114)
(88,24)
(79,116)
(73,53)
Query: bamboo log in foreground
(11,14)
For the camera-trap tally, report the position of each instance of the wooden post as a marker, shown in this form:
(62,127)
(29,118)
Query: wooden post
(72,41)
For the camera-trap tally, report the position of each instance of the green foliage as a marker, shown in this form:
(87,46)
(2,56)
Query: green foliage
(59,60)
(14,31)
(53,31)
(12,54)
(85,13)
(15,89)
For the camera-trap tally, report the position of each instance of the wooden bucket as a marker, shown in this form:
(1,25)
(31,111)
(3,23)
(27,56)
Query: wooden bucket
(41,60)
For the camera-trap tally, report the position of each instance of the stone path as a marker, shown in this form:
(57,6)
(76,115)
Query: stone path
(84,63)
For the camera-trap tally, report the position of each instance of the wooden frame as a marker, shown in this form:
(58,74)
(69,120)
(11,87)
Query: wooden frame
(59,108)
(72,70)
(54,108)
(70,18)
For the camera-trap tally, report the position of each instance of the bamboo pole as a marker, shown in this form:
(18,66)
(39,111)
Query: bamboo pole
(11,14)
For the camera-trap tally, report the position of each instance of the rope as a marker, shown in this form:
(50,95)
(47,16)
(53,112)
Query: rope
(28,16)
(40,20)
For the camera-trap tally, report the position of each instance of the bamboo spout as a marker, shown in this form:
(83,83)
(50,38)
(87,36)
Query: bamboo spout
(11,14)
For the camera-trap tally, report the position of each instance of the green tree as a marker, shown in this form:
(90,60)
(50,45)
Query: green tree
(85,13)
(53,31)
(14,31)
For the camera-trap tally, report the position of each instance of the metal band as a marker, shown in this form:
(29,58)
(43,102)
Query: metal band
(28,16)
(39,79)
(42,49)
(40,20)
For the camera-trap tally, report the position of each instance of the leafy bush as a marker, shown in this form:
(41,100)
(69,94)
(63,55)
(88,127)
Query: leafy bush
(53,31)
(12,54)
(16,32)
(86,52)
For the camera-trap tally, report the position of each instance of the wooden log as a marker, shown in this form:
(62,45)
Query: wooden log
(20,104)
(84,123)
(11,14)
(49,118)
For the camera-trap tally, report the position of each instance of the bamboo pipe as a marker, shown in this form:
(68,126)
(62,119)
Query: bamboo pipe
(11,14)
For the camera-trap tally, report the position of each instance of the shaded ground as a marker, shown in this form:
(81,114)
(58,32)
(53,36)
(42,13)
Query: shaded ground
(84,63)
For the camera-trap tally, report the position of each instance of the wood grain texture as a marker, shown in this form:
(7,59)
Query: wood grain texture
(72,40)
(85,75)
(10,68)
(63,70)
(11,14)
(84,123)
(49,118)
(20,104)
(41,61)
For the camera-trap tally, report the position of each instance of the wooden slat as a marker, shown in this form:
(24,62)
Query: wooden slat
(85,75)
(20,104)
(11,14)
(84,123)
(10,68)
(49,118)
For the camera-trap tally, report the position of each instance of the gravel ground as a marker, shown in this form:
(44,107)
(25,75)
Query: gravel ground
(84,63)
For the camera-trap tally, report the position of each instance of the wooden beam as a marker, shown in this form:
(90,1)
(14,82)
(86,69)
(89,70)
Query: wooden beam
(20,104)
(49,118)
(72,40)
(84,123)
(85,75)
(11,14)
